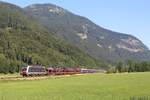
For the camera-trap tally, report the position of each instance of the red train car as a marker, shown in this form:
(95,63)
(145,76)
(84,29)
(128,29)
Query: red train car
(63,71)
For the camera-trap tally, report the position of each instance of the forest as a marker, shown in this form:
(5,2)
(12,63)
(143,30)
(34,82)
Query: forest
(130,66)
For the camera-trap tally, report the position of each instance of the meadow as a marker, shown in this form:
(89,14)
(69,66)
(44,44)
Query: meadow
(124,86)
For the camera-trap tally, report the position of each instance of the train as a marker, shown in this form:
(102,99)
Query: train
(38,70)
(33,70)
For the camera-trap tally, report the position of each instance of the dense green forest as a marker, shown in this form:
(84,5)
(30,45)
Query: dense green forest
(23,41)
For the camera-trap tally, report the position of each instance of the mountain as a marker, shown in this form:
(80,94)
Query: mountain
(24,41)
(98,42)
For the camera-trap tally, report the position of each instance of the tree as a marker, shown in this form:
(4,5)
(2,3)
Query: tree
(4,66)
(119,66)
(130,65)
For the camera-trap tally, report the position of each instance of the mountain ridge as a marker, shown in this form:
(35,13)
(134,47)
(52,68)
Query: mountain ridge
(88,36)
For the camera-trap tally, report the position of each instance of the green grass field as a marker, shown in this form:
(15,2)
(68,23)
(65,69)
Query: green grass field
(84,87)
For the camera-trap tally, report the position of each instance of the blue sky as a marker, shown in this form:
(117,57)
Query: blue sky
(125,16)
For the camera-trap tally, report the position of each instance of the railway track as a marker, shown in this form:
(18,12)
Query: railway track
(11,78)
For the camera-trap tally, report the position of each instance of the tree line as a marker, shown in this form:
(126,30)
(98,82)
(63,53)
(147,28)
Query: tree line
(130,66)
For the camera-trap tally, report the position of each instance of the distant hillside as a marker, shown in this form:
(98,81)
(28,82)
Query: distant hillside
(98,42)
(24,41)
